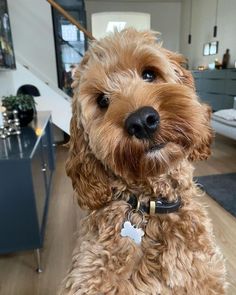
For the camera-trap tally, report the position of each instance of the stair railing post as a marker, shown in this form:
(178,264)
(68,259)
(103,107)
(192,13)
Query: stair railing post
(70,18)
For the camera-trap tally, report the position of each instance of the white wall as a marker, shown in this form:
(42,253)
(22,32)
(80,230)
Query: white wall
(32,32)
(203,21)
(6,83)
(165,17)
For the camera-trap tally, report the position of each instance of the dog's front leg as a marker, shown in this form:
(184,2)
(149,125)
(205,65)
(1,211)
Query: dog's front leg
(103,260)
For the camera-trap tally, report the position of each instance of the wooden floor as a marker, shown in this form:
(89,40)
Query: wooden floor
(223,160)
(17,275)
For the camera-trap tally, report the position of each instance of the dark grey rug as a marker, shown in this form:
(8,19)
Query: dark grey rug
(222,188)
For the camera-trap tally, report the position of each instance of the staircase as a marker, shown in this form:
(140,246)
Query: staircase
(51,97)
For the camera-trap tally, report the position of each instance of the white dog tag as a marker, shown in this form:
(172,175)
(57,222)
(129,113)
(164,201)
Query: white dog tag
(132,232)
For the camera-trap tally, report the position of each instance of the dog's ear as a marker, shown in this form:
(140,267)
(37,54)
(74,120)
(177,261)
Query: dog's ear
(179,64)
(77,71)
(202,148)
(89,178)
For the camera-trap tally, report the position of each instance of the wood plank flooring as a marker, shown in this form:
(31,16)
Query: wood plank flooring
(223,160)
(17,271)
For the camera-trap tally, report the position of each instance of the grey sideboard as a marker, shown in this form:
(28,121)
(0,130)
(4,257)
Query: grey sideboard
(26,167)
(216,87)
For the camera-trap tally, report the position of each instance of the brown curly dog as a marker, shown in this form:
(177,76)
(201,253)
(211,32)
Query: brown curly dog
(137,125)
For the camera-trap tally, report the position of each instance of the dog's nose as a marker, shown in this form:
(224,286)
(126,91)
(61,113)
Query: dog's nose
(142,123)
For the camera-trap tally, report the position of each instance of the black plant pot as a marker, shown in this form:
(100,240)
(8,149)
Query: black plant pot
(25,117)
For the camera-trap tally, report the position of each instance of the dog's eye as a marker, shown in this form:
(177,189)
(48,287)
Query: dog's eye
(103,101)
(148,75)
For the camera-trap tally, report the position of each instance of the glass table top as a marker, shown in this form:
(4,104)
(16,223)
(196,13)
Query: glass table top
(22,146)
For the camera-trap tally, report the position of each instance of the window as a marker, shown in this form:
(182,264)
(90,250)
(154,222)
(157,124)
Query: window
(105,22)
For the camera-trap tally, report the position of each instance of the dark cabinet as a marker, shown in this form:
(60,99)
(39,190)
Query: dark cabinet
(26,168)
(216,87)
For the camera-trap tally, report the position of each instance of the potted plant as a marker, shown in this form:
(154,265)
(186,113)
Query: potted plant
(24,104)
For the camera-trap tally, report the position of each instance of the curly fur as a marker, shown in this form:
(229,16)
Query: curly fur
(178,254)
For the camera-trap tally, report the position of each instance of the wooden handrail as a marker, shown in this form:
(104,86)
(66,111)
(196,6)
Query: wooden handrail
(71,19)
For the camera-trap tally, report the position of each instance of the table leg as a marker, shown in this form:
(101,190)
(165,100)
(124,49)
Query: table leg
(38,257)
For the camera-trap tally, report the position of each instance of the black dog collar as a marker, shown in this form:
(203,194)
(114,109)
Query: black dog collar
(158,206)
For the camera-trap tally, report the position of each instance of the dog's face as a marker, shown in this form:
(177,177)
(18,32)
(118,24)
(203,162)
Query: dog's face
(138,106)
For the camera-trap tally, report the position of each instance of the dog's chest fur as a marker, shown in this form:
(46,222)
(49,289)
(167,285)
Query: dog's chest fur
(176,253)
